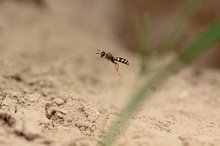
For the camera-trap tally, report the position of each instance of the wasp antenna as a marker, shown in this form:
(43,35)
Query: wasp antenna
(98,52)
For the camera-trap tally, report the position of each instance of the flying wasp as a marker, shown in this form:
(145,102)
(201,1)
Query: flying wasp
(113,59)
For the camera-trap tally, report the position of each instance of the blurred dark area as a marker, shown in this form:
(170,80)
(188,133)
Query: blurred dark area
(163,15)
(35,2)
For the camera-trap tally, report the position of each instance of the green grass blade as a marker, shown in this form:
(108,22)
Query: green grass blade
(203,42)
(142,41)
(146,19)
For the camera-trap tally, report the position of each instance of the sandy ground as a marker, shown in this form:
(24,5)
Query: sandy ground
(54,90)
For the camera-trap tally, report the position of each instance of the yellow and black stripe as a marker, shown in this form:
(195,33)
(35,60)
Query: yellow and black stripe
(122,60)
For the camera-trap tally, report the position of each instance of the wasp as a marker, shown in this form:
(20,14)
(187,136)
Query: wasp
(113,59)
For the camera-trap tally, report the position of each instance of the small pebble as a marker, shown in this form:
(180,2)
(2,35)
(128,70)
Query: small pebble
(59,101)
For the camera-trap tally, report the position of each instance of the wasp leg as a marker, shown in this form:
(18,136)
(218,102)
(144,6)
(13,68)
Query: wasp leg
(116,68)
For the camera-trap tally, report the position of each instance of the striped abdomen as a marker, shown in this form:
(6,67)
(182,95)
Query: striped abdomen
(122,60)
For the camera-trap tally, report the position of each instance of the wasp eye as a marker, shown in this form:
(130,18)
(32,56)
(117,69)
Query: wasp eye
(102,54)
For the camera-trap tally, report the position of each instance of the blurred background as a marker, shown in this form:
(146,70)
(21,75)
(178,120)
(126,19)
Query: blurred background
(115,19)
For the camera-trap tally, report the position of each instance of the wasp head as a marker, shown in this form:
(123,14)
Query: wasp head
(102,53)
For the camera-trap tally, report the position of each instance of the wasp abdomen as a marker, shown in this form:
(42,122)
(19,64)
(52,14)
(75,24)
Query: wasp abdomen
(122,60)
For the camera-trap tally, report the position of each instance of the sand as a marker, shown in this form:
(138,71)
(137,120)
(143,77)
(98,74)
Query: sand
(54,89)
